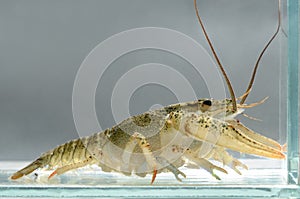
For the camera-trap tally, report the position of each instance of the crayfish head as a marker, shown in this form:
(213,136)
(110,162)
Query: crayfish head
(219,108)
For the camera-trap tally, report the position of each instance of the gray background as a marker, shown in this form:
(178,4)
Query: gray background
(43,43)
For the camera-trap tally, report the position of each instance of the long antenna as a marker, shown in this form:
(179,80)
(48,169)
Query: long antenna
(217,59)
(261,54)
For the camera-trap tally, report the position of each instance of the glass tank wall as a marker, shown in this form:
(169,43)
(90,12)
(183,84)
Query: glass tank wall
(73,68)
(293,93)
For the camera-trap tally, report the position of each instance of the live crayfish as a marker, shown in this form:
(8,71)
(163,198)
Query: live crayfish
(163,140)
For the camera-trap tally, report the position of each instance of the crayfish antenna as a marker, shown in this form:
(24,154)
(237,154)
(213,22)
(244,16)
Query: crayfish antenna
(231,91)
(261,55)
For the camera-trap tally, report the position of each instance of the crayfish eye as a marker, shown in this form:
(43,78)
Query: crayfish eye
(207,102)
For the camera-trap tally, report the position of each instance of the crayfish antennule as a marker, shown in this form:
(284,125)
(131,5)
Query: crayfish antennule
(246,93)
(253,104)
(251,118)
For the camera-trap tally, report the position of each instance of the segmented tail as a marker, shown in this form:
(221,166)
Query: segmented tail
(28,169)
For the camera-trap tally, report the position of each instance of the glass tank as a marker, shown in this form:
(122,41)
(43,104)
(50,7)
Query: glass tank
(156,97)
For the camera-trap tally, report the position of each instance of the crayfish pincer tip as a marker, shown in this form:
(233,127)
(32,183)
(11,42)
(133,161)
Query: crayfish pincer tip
(153,176)
(16,176)
(52,174)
